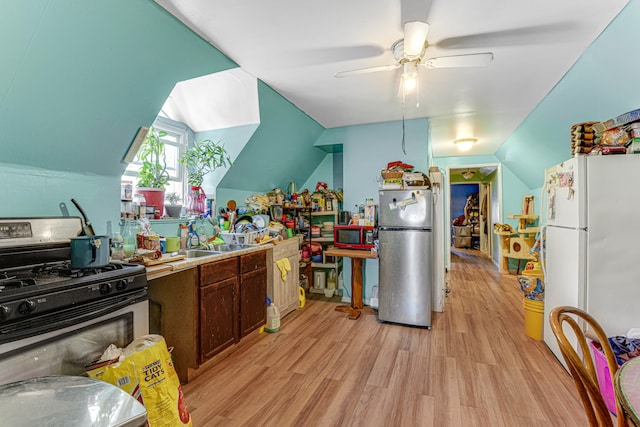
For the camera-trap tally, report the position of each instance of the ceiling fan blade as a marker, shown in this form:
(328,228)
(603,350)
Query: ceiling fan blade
(349,73)
(415,10)
(538,34)
(415,34)
(322,55)
(457,61)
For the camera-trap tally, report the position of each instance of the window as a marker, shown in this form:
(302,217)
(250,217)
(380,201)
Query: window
(175,144)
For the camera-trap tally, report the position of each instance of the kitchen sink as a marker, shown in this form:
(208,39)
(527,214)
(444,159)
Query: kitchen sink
(229,248)
(197,253)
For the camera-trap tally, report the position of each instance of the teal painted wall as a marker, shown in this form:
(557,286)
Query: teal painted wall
(599,86)
(366,151)
(77,81)
(234,140)
(79,78)
(323,173)
(281,149)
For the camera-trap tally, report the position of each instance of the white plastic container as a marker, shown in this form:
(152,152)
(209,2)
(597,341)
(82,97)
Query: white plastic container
(319,279)
(273,319)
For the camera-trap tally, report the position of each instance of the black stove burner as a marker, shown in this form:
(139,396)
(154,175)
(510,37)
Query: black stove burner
(12,282)
(64,269)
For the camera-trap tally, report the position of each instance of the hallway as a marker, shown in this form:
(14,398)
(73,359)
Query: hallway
(476,367)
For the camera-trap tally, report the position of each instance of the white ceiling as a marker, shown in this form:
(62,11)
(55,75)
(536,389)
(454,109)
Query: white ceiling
(296,48)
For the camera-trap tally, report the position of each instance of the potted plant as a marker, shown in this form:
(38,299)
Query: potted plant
(153,175)
(205,156)
(172,206)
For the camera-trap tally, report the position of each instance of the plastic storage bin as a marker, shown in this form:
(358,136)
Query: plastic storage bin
(604,377)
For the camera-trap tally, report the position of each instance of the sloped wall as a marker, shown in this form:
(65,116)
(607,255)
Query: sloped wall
(599,86)
(280,150)
(79,78)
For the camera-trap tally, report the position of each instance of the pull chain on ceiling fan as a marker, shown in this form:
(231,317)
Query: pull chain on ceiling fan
(409,53)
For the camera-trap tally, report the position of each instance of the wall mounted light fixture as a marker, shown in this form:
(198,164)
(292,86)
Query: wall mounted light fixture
(465,144)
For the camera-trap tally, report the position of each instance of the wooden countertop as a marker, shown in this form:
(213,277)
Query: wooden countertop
(351,253)
(161,270)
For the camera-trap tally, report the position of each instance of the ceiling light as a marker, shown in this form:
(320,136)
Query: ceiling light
(410,76)
(467,174)
(465,144)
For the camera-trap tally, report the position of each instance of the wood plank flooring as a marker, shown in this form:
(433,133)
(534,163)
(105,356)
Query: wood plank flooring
(476,367)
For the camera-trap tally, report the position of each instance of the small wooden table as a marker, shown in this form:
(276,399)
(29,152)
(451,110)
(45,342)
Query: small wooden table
(626,384)
(357,257)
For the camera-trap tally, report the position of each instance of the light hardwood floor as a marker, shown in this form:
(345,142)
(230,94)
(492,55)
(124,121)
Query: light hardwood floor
(476,367)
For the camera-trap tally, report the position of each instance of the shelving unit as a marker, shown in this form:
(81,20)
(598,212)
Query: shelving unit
(316,218)
(472,212)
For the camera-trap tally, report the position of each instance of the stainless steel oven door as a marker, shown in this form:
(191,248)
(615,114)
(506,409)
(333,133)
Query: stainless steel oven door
(65,351)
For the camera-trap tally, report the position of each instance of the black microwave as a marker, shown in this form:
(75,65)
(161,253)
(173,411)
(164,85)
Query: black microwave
(353,236)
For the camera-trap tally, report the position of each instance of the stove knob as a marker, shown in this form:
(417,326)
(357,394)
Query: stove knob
(105,288)
(4,312)
(121,285)
(26,307)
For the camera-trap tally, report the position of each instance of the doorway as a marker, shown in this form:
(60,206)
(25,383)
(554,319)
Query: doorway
(473,207)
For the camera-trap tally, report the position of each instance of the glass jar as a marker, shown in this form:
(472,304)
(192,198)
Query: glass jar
(129,237)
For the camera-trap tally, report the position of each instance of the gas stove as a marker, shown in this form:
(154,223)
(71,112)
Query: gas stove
(38,286)
(45,287)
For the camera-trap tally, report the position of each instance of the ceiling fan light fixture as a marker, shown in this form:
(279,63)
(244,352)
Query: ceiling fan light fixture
(465,144)
(410,76)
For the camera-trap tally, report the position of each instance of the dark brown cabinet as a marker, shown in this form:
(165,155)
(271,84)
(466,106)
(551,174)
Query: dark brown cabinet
(205,311)
(253,292)
(218,317)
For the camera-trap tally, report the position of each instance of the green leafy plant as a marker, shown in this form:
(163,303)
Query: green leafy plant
(205,156)
(153,173)
(173,198)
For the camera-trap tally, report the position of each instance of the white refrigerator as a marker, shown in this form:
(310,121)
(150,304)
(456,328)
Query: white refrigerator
(592,250)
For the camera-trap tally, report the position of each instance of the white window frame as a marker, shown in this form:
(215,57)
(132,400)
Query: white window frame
(176,137)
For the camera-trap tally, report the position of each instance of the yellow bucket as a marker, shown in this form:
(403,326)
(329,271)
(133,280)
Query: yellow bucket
(533,318)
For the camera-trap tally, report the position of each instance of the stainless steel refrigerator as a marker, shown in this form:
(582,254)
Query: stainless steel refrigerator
(405,256)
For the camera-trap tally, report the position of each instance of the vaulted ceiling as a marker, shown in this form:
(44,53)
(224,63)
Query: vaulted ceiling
(297,47)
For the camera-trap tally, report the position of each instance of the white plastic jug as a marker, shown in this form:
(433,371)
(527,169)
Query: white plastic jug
(319,279)
(273,319)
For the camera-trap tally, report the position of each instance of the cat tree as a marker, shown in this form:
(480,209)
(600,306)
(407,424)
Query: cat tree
(518,245)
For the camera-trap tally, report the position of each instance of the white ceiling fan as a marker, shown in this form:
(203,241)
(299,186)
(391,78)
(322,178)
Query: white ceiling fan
(409,53)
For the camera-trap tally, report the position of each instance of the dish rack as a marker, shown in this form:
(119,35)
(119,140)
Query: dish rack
(249,238)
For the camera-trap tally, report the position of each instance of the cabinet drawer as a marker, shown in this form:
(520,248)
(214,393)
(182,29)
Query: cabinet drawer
(218,271)
(253,261)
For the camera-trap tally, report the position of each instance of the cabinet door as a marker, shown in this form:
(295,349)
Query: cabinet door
(253,301)
(218,317)
(285,292)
